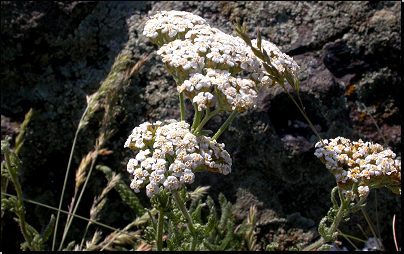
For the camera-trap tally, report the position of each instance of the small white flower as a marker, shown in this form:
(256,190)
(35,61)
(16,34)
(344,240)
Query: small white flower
(132,163)
(151,189)
(171,183)
(349,194)
(148,163)
(224,169)
(158,154)
(139,144)
(188,177)
(140,174)
(156,177)
(177,168)
(167,148)
(142,155)
(363,191)
(136,185)
(159,166)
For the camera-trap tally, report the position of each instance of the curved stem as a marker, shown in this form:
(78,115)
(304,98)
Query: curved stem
(315,245)
(20,210)
(333,228)
(160,224)
(184,211)
(394,232)
(224,126)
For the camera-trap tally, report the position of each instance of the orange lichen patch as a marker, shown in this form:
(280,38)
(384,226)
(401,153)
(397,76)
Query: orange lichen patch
(349,90)
(376,104)
(362,116)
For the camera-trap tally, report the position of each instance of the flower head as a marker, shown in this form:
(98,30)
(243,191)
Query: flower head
(171,155)
(205,62)
(362,164)
(167,26)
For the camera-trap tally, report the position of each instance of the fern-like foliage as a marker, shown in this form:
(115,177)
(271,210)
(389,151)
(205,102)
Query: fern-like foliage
(124,191)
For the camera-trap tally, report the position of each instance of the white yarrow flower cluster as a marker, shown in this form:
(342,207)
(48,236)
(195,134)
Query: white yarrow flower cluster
(169,155)
(205,60)
(365,163)
(231,93)
(167,26)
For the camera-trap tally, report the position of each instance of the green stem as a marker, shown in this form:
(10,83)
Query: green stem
(207,117)
(380,132)
(184,211)
(69,222)
(84,237)
(75,215)
(348,240)
(372,229)
(333,228)
(65,181)
(197,118)
(304,115)
(182,106)
(224,126)
(160,230)
(20,210)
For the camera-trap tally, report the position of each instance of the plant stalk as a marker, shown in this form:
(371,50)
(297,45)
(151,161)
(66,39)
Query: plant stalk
(75,215)
(304,115)
(340,214)
(21,212)
(197,118)
(69,222)
(206,118)
(224,126)
(65,181)
(184,211)
(160,224)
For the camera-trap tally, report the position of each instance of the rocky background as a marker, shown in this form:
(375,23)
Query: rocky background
(53,54)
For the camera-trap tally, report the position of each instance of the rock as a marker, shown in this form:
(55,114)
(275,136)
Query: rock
(56,53)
